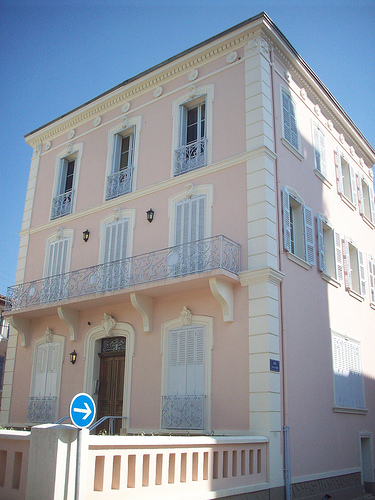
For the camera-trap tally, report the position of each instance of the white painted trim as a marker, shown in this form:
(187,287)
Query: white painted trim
(92,361)
(206,92)
(128,125)
(207,322)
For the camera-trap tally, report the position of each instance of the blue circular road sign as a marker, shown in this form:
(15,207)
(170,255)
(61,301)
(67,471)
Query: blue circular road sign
(82,410)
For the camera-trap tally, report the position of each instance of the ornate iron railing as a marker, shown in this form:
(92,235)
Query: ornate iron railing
(199,256)
(190,157)
(62,205)
(41,409)
(119,183)
(182,412)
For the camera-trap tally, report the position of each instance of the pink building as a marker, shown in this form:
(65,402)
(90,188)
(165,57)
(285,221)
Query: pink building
(202,237)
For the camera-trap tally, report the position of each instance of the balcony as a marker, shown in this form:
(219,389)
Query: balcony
(62,205)
(190,157)
(198,257)
(119,183)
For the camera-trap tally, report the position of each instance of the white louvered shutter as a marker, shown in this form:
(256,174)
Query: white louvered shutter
(57,258)
(347,265)
(353,185)
(117,139)
(321,245)
(195,369)
(339,258)
(286,221)
(116,234)
(183,126)
(46,369)
(361,205)
(339,178)
(372,204)
(362,275)
(319,148)
(309,236)
(289,118)
(371,271)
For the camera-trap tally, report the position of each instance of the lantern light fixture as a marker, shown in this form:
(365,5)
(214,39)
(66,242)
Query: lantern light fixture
(150,215)
(86,235)
(73,357)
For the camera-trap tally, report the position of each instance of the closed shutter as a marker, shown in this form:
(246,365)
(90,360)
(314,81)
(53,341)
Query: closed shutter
(321,245)
(319,148)
(186,361)
(190,220)
(286,221)
(116,234)
(309,236)
(57,258)
(289,118)
(339,258)
(46,370)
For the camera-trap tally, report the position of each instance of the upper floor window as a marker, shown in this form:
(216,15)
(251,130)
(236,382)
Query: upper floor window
(354,268)
(347,369)
(371,272)
(366,199)
(56,265)
(290,130)
(298,227)
(123,143)
(330,250)
(66,180)
(320,150)
(192,130)
(345,176)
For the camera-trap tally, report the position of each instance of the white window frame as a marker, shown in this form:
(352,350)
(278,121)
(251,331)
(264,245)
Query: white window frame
(37,343)
(354,269)
(346,179)
(366,200)
(305,235)
(349,362)
(329,251)
(207,322)
(128,126)
(72,152)
(195,95)
(293,146)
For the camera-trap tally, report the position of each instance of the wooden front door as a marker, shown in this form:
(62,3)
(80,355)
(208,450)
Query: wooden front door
(111,388)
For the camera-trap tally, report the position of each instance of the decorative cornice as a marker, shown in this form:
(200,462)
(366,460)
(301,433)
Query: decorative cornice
(267,274)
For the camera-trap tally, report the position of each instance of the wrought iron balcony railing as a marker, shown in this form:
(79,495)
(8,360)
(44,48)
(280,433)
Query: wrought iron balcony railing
(41,409)
(119,183)
(182,412)
(190,157)
(62,205)
(199,256)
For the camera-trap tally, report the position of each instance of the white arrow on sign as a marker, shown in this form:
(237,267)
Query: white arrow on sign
(84,410)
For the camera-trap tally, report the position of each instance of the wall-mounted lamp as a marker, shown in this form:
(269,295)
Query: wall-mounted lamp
(73,357)
(86,235)
(150,215)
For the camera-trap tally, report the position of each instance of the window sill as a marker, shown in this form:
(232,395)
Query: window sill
(368,221)
(348,202)
(322,178)
(298,260)
(292,149)
(356,411)
(356,295)
(329,279)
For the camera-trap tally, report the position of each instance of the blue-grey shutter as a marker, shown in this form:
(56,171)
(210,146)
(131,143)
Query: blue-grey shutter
(321,245)
(371,268)
(117,140)
(286,221)
(289,119)
(372,204)
(309,236)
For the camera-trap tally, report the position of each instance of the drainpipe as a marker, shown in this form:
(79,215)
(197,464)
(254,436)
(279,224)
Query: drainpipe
(286,428)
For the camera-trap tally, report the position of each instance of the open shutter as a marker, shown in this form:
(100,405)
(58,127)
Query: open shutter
(361,205)
(339,258)
(286,221)
(339,178)
(347,265)
(353,185)
(362,276)
(319,148)
(371,269)
(309,236)
(116,152)
(372,204)
(183,126)
(321,245)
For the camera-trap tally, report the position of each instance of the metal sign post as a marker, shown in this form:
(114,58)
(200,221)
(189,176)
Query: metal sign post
(82,415)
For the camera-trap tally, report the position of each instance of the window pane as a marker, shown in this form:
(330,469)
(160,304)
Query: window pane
(69,177)
(125,149)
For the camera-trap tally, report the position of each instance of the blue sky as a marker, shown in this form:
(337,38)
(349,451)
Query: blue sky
(58,54)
